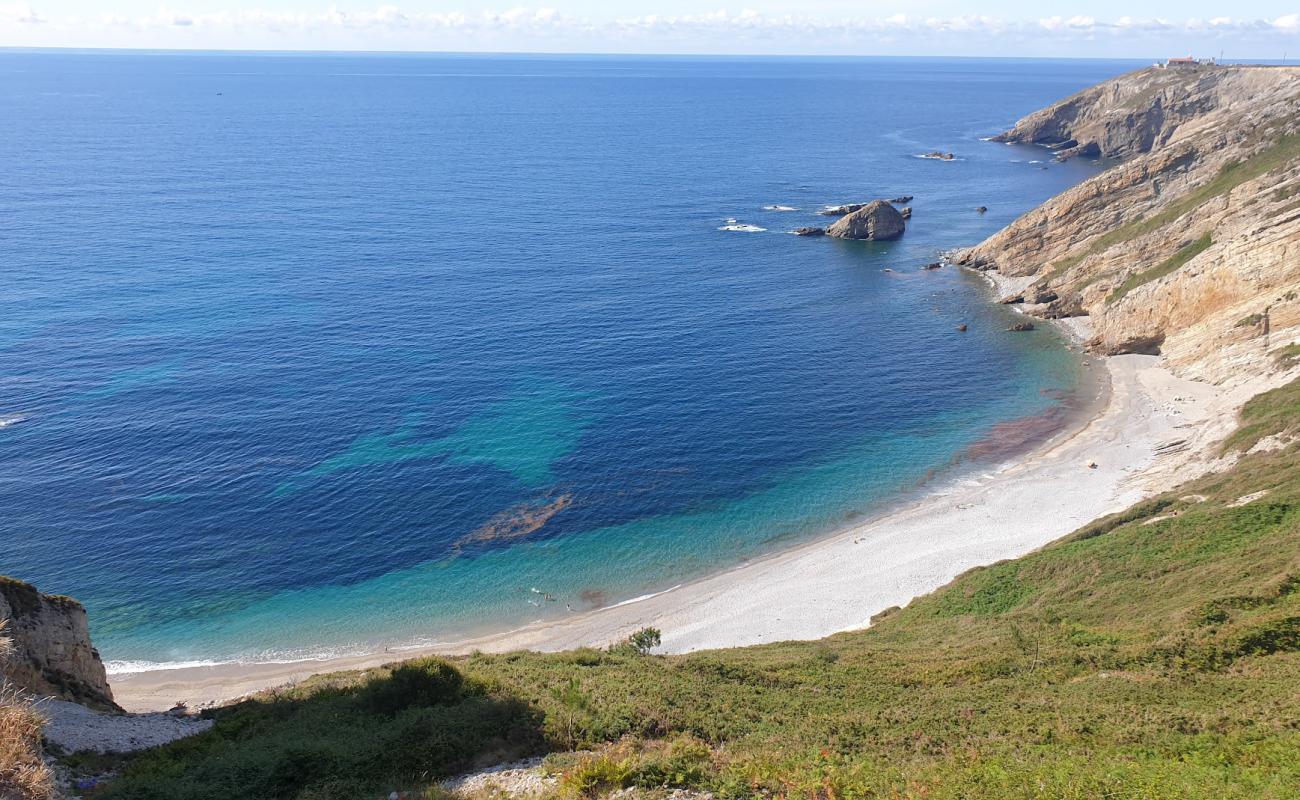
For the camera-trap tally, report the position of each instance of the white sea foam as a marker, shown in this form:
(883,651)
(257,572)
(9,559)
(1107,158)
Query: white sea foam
(124,667)
(13,419)
(646,596)
(128,667)
(742,227)
(779,208)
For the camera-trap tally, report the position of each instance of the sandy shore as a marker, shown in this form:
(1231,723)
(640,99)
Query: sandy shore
(1147,434)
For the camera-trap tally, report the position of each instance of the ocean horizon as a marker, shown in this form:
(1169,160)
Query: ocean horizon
(321,355)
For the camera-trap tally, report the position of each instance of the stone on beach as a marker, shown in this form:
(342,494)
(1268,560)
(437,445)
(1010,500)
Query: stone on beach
(74,728)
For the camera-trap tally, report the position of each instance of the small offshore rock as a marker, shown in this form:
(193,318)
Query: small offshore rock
(901,199)
(905,212)
(938,155)
(809,231)
(961,328)
(1021,327)
(981,209)
(933,265)
(876,220)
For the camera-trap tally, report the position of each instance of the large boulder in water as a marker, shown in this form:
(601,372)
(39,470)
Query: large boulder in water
(875,220)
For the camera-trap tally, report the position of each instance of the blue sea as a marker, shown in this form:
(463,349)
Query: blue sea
(316,354)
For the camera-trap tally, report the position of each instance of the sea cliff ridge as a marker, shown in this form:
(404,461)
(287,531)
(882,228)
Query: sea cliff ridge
(1188,245)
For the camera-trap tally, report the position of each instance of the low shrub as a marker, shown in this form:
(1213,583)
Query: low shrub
(421,682)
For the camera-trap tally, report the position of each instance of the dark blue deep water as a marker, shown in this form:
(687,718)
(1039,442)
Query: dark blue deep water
(297,351)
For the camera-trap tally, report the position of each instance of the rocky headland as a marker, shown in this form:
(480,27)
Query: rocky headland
(1189,244)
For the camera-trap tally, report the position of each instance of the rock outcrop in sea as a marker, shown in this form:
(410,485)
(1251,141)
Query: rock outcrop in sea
(1194,229)
(52,651)
(876,220)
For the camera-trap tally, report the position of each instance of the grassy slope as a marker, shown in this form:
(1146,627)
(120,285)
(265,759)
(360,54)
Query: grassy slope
(1152,654)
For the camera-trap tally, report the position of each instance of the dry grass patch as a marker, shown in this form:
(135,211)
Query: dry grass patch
(23,773)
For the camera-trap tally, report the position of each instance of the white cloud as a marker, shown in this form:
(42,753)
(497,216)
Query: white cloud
(18,14)
(389,23)
(1289,23)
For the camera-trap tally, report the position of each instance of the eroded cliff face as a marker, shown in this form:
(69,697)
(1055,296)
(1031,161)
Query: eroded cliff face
(52,650)
(1190,244)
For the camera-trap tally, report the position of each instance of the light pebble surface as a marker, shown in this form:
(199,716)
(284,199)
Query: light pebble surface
(74,728)
(838,582)
(517,779)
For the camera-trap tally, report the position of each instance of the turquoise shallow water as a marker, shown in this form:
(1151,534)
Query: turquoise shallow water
(311,354)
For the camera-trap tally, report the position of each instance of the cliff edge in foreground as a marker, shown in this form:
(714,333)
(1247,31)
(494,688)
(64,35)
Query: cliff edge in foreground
(52,650)
(1190,244)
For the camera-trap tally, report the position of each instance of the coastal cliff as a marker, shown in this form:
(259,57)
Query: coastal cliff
(1189,245)
(52,650)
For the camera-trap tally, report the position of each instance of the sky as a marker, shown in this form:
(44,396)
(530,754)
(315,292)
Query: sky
(1242,29)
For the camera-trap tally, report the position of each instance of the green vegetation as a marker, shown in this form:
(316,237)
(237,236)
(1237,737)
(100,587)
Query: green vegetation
(1279,154)
(645,640)
(1152,654)
(346,736)
(1286,357)
(681,761)
(1186,253)
(1249,321)
(1271,413)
